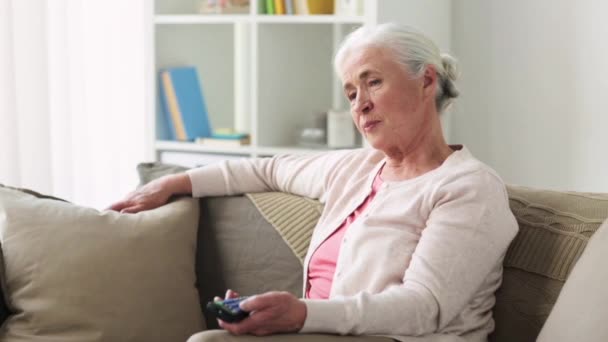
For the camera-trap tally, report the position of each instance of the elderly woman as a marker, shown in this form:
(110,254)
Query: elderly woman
(414,231)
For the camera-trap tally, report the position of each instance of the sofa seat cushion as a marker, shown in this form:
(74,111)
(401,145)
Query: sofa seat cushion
(76,274)
(554,230)
(580,311)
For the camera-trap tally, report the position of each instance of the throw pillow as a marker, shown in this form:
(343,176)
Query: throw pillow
(554,229)
(580,311)
(76,274)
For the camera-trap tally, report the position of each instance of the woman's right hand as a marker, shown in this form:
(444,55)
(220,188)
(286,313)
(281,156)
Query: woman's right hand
(154,194)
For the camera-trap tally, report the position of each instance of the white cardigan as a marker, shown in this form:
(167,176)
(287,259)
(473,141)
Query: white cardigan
(425,258)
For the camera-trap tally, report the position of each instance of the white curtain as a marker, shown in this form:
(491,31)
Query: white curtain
(72,97)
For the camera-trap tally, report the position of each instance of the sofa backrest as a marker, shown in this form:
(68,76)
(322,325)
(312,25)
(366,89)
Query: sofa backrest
(554,230)
(238,249)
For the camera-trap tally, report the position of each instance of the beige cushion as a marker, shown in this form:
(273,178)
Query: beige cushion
(76,274)
(554,230)
(582,307)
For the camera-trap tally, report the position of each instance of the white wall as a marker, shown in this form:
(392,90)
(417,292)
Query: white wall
(533,86)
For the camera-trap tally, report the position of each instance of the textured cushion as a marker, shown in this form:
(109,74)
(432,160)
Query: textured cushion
(294,217)
(237,247)
(76,274)
(554,230)
(581,308)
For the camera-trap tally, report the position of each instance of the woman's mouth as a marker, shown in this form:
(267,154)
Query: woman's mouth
(370,125)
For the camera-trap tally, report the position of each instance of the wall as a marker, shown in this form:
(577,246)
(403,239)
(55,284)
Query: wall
(533,83)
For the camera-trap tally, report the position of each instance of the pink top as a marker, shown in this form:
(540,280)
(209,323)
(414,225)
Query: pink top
(322,264)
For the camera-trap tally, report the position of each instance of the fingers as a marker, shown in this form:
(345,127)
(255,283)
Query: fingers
(258,323)
(118,206)
(133,209)
(259,302)
(231,294)
(245,326)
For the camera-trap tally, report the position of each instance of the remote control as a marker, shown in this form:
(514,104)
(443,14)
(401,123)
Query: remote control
(227,310)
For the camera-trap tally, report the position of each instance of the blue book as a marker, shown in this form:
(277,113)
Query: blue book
(183,103)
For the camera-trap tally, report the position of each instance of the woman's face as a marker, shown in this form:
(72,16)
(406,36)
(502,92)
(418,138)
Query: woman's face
(388,105)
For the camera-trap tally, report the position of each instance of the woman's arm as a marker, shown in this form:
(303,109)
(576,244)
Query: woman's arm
(304,175)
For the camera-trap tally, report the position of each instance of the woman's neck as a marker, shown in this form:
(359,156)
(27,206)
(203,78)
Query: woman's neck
(416,159)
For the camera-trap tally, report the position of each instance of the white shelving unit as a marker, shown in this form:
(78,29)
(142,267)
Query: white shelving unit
(268,75)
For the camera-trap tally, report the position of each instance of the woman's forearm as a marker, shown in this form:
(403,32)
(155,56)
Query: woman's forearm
(178,184)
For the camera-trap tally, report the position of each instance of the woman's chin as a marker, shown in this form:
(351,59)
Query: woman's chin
(374,142)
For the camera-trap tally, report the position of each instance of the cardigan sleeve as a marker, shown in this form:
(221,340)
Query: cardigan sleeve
(463,243)
(304,175)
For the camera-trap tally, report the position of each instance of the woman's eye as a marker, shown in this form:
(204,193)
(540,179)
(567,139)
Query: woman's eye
(351,96)
(374,82)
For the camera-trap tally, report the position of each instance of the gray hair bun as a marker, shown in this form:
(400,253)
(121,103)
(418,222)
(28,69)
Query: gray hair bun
(451,73)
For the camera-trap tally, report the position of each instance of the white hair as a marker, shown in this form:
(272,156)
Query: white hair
(412,49)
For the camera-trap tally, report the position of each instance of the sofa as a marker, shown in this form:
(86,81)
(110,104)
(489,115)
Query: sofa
(256,242)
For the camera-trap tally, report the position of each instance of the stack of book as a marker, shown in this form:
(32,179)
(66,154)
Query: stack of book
(296,7)
(186,112)
(219,139)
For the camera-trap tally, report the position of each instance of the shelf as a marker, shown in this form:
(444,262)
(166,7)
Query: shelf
(176,146)
(268,151)
(164,145)
(202,19)
(244,61)
(263,19)
(308,19)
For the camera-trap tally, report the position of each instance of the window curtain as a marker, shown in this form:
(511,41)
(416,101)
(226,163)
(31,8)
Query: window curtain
(72,97)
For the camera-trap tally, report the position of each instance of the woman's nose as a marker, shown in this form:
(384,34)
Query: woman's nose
(363,103)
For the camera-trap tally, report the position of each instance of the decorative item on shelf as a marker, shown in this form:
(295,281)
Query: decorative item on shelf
(224,7)
(269,8)
(182,101)
(279,7)
(312,138)
(340,130)
(225,138)
(313,7)
(349,7)
(289,7)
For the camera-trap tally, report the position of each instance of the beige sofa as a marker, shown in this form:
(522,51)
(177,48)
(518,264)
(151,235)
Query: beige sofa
(256,242)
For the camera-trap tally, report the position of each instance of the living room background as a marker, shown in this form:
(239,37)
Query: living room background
(74,73)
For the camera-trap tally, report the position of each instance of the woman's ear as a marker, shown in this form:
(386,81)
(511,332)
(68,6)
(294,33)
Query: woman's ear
(430,79)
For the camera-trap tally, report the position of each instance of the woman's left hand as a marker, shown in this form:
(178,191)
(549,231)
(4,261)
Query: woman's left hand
(271,312)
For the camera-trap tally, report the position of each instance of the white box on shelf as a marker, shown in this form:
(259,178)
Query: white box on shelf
(340,130)
(349,7)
